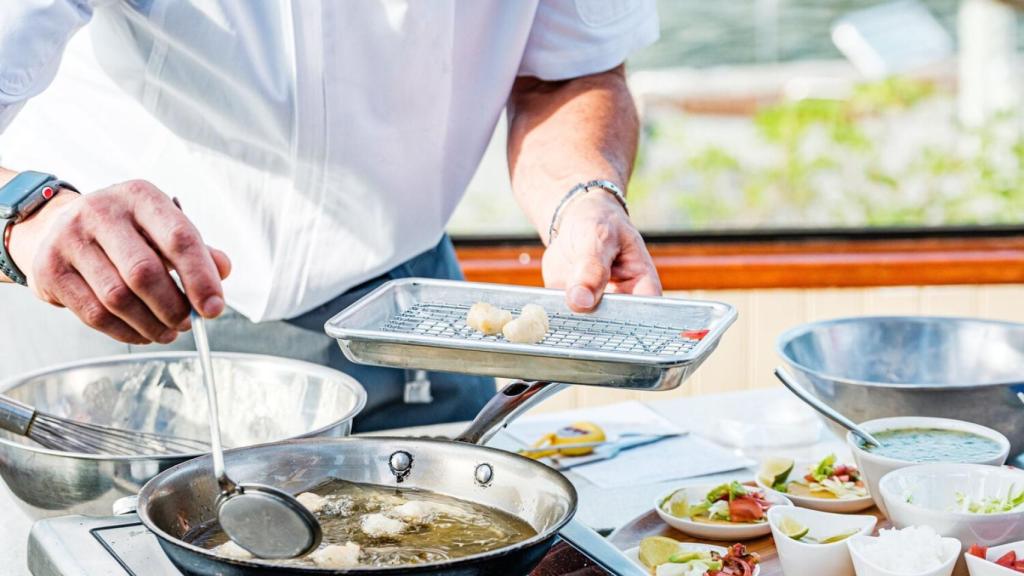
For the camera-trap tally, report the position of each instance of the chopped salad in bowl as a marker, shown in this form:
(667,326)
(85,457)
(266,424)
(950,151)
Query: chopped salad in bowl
(825,485)
(985,561)
(996,505)
(726,511)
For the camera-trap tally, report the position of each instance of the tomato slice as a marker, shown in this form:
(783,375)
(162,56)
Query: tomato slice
(1008,559)
(745,510)
(977,550)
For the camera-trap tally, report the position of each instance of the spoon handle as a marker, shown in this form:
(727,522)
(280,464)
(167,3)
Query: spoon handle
(206,370)
(825,410)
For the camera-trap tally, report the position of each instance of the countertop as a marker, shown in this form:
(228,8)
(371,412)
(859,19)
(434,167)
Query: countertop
(601,509)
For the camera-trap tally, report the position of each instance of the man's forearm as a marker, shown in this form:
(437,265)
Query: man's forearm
(564,133)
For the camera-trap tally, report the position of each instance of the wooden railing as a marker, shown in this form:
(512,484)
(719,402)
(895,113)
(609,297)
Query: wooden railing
(790,259)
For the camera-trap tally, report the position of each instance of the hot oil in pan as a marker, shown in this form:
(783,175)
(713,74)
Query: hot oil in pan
(398,526)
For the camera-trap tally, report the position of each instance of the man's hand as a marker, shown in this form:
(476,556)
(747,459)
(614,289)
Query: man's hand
(570,131)
(598,247)
(106,257)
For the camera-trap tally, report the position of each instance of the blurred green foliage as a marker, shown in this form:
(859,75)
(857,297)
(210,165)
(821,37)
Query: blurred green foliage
(838,162)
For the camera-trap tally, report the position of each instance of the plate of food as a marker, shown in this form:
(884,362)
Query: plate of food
(827,485)
(730,511)
(663,556)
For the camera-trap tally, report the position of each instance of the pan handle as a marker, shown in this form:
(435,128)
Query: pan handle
(505,407)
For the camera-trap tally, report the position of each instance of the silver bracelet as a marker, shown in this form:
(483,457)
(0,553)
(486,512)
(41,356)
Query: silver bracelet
(583,188)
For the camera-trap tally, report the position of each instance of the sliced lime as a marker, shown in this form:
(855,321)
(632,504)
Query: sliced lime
(677,504)
(657,550)
(839,537)
(775,471)
(792,528)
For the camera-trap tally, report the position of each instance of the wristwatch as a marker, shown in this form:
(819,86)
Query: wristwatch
(19,199)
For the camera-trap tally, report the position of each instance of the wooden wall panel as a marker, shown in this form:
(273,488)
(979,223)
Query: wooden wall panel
(789,263)
(1001,303)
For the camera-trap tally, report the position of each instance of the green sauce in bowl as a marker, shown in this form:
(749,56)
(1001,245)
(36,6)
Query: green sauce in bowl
(934,445)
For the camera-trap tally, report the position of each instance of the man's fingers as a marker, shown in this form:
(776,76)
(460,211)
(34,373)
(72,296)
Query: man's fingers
(116,296)
(180,244)
(144,272)
(648,284)
(221,260)
(76,295)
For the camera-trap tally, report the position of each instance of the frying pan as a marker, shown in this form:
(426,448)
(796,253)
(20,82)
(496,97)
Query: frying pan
(178,501)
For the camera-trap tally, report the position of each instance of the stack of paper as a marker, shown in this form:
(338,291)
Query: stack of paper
(674,458)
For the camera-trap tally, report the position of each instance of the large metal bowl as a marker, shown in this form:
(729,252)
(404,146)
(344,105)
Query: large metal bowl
(262,399)
(877,367)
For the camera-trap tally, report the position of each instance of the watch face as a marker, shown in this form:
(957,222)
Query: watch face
(20,188)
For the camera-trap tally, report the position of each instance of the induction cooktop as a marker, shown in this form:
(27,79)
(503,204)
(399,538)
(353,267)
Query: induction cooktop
(122,546)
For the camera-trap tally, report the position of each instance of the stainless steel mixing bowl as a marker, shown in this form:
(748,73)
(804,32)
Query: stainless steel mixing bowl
(876,367)
(262,399)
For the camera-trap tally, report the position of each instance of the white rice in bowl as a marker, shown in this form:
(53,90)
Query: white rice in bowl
(912,550)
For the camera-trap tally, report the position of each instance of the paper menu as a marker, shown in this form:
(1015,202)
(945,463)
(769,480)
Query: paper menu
(675,458)
(614,419)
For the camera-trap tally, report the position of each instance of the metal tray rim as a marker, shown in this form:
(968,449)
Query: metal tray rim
(334,328)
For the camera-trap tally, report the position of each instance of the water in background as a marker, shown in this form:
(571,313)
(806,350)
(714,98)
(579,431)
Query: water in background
(702,33)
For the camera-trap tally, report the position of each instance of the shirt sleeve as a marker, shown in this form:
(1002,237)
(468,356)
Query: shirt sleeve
(33,34)
(571,38)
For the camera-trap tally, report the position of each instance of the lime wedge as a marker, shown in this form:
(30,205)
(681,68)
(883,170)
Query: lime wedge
(839,537)
(792,528)
(775,471)
(677,504)
(657,550)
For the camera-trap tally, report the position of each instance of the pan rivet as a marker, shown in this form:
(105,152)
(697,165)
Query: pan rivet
(401,464)
(484,474)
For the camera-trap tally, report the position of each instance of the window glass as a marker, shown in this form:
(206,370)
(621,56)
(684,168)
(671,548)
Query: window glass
(753,117)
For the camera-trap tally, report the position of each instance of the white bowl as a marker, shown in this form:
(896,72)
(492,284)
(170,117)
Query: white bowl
(987,567)
(873,467)
(730,532)
(863,567)
(634,553)
(806,559)
(823,504)
(931,490)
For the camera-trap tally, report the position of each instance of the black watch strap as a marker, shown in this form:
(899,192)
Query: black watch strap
(7,265)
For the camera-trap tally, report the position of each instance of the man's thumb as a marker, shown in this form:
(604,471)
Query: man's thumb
(589,278)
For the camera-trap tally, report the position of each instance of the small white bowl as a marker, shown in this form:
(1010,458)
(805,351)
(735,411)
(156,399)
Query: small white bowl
(873,466)
(634,553)
(823,504)
(863,567)
(807,559)
(988,567)
(730,532)
(925,494)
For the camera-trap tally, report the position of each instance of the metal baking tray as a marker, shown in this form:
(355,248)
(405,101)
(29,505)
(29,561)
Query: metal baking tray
(634,342)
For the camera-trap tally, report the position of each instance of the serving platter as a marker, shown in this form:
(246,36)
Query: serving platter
(650,524)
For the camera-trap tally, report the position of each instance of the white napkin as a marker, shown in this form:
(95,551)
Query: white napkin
(670,459)
(615,419)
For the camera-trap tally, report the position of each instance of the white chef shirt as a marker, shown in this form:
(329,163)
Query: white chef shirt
(318,142)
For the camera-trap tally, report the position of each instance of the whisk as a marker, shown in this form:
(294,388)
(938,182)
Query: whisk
(72,436)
